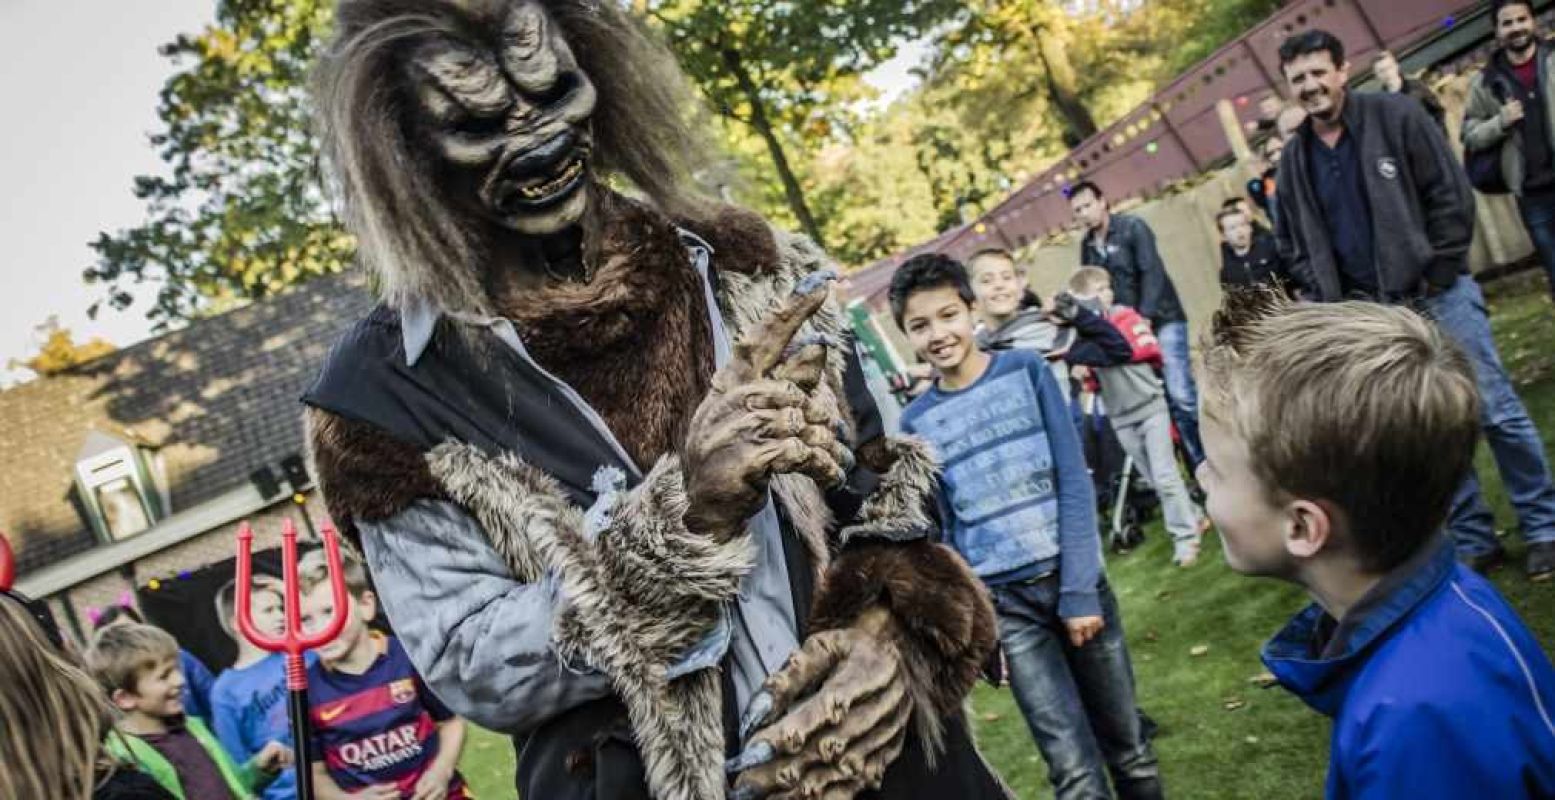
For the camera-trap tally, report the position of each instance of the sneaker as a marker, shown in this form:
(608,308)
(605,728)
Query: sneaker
(1541,561)
(1186,552)
(1490,560)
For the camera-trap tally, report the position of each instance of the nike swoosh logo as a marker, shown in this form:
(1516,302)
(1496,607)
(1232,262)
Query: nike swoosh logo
(331,714)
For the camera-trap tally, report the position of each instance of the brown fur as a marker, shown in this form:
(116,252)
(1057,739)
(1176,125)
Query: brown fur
(942,610)
(363,472)
(634,340)
(741,240)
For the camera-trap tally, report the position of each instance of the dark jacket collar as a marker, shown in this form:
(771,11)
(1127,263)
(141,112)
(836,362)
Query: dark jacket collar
(1317,659)
(1350,116)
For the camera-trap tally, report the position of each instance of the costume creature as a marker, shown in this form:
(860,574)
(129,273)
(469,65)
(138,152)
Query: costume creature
(621,491)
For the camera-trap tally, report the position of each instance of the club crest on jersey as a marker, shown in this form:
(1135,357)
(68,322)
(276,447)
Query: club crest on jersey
(1387,168)
(402,692)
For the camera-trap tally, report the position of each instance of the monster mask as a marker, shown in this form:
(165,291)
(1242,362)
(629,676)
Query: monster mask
(508,115)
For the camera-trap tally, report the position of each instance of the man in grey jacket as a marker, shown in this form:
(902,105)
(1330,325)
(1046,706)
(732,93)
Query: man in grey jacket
(1364,163)
(1510,109)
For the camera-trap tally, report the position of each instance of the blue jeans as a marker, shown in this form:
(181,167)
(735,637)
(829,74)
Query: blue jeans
(1514,442)
(1538,212)
(1078,702)
(1181,393)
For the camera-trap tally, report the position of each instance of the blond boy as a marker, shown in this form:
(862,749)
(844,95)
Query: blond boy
(248,699)
(137,666)
(1336,437)
(378,733)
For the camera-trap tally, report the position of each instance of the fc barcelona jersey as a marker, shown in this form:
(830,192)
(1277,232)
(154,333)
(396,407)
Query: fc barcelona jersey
(377,727)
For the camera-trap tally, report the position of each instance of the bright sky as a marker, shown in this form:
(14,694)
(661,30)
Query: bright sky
(79,82)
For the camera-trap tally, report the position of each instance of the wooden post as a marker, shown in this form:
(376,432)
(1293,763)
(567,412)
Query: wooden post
(1233,130)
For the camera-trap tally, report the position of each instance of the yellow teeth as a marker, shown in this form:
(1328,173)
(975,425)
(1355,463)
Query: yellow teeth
(554,185)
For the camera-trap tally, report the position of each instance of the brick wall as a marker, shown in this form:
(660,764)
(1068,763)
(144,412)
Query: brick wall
(208,548)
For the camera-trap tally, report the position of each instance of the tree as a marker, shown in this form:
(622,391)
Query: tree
(789,70)
(241,212)
(59,350)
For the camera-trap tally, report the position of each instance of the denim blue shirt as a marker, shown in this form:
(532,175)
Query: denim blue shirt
(1017,495)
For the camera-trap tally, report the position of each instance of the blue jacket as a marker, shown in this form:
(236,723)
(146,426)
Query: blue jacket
(1436,688)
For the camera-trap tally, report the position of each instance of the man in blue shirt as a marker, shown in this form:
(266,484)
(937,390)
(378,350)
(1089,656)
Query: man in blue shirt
(1017,504)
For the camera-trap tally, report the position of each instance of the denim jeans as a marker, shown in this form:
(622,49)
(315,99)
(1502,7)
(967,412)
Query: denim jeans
(1181,393)
(1078,702)
(1538,212)
(1514,441)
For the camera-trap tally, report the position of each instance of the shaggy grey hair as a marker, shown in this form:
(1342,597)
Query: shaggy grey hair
(407,231)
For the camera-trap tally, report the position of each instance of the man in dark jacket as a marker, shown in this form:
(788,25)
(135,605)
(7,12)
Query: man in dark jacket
(1124,245)
(1392,79)
(1364,163)
(1511,108)
(1248,253)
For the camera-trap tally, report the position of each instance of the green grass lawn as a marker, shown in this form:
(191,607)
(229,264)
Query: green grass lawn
(1221,735)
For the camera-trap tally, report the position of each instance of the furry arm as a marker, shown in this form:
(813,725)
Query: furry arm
(480,639)
(511,572)
(944,623)
(945,627)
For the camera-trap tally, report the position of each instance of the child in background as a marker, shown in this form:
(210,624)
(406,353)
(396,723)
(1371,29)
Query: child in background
(1136,405)
(1337,436)
(378,732)
(1065,335)
(1017,504)
(197,677)
(138,667)
(248,700)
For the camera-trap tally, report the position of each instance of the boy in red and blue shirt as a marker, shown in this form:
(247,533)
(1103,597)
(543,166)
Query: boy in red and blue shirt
(378,733)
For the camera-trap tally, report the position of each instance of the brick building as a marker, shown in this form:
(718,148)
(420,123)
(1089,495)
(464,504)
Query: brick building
(137,468)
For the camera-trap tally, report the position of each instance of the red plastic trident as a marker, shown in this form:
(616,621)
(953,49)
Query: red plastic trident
(295,641)
(7,565)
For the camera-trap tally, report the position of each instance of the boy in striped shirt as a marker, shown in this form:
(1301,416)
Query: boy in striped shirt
(378,733)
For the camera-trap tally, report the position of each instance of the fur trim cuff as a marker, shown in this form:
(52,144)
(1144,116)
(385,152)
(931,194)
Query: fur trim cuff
(898,508)
(639,591)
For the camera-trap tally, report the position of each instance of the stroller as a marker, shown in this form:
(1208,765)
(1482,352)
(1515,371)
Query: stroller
(1123,496)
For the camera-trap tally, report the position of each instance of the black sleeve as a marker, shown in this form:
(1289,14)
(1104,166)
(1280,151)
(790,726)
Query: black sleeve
(866,414)
(846,500)
(1287,239)
(1099,344)
(1152,272)
(1445,197)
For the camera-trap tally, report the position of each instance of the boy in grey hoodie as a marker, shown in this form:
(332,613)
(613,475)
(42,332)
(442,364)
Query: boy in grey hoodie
(1136,405)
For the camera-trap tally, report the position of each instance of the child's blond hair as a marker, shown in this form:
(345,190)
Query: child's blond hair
(1087,281)
(227,600)
(1369,407)
(120,654)
(313,569)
